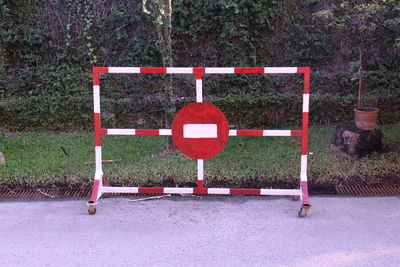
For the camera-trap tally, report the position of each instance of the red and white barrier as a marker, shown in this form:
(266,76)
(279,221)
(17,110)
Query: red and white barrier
(193,132)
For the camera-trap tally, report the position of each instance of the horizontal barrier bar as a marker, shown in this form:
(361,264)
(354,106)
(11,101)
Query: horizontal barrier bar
(192,70)
(125,190)
(231,132)
(123,70)
(265,133)
(211,191)
(136,131)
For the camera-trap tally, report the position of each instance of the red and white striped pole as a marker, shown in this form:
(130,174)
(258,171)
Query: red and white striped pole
(304,140)
(199,99)
(98,178)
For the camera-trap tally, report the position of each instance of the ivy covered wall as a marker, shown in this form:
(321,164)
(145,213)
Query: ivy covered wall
(47,48)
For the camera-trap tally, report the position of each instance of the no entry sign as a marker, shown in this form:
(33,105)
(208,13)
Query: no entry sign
(200,130)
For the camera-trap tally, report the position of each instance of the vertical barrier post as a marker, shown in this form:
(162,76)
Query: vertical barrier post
(98,183)
(199,98)
(304,139)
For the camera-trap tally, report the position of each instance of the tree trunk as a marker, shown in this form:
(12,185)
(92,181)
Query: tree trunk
(163,9)
(168,62)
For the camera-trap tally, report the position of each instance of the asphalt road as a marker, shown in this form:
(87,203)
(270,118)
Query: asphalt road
(208,231)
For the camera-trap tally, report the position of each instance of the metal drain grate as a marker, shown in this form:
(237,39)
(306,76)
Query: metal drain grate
(351,190)
(368,190)
(44,193)
(55,193)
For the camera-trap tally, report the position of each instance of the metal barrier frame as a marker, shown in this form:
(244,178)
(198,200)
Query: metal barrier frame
(100,186)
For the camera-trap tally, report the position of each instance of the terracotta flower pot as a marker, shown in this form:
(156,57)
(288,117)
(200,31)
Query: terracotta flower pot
(366,117)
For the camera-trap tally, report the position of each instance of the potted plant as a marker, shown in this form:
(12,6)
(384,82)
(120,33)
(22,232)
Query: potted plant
(365,117)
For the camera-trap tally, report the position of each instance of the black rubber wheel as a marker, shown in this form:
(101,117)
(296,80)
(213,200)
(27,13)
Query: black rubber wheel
(302,212)
(92,209)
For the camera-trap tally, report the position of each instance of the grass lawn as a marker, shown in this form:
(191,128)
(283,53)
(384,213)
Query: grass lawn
(36,159)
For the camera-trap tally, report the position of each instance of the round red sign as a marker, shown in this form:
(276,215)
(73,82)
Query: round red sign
(200,130)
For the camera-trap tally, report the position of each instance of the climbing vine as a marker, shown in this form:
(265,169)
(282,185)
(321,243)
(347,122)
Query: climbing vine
(47,49)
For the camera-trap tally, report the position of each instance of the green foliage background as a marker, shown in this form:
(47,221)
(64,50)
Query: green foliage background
(47,49)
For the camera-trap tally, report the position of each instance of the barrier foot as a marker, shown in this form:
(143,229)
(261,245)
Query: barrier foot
(304,209)
(91,207)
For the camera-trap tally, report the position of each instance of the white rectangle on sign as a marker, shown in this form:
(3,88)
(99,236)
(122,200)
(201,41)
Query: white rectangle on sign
(200,131)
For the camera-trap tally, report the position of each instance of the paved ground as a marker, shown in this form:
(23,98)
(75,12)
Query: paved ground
(212,231)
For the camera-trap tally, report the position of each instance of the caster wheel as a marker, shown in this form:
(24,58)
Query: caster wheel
(303,210)
(92,208)
(295,198)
